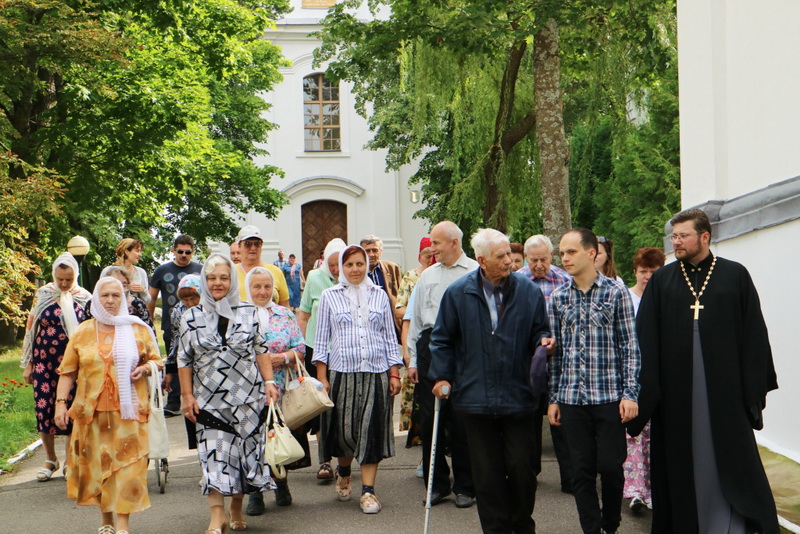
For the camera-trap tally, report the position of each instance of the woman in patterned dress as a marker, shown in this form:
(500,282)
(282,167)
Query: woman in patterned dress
(637,464)
(410,279)
(56,313)
(226,377)
(286,345)
(108,356)
(355,322)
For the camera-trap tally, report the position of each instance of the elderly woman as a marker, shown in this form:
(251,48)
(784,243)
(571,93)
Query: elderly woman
(136,306)
(285,345)
(55,315)
(108,357)
(129,252)
(226,378)
(355,322)
(318,281)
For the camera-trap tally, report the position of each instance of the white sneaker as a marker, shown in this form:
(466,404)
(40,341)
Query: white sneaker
(420,471)
(370,504)
(342,487)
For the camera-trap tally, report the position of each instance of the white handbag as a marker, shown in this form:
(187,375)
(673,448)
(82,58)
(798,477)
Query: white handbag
(281,446)
(304,397)
(156,425)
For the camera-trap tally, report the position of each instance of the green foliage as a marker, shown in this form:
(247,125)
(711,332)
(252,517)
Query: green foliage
(150,110)
(429,80)
(29,203)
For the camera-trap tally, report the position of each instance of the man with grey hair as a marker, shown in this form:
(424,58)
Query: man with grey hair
(383,273)
(451,264)
(542,272)
(490,323)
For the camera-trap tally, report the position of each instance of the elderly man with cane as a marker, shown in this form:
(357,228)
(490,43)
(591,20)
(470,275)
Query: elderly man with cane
(489,325)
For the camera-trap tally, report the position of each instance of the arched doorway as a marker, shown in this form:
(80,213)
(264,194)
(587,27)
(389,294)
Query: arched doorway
(323,220)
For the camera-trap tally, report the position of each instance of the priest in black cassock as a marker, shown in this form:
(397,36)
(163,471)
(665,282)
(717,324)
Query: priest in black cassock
(706,370)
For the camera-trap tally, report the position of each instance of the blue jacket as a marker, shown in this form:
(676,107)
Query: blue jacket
(488,369)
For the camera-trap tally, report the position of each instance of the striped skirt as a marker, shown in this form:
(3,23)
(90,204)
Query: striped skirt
(360,424)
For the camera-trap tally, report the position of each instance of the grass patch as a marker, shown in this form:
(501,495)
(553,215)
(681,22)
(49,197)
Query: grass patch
(17,415)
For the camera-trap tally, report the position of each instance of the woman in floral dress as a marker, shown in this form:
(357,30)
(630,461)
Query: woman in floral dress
(56,314)
(285,345)
(410,279)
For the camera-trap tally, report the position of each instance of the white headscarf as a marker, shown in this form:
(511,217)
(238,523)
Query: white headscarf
(358,294)
(65,301)
(125,350)
(263,311)
(213,309)
(334,245)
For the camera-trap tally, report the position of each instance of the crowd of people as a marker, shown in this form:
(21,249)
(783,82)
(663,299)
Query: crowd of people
(656,388)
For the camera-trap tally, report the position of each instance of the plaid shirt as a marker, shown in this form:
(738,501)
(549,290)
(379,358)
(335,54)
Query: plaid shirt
(556,277)
(597,357)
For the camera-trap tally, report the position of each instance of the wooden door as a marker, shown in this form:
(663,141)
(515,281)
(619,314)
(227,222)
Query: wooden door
(323,220)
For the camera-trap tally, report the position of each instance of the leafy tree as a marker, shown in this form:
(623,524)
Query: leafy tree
(473,89)
(151,110)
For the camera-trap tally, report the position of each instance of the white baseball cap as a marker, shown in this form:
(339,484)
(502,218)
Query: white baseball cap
(249,231)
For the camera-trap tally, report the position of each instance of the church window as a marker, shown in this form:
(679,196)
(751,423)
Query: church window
(322,130)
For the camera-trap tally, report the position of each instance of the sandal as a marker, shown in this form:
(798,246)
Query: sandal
(325,472)
(44,473)
(238,525)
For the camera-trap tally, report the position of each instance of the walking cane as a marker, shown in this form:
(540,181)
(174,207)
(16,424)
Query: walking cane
(437,407)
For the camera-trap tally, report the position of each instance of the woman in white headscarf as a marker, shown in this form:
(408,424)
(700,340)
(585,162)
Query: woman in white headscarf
(286,345)
(226,378)
(356,324)
(319,280)
(108,358)
(57,310)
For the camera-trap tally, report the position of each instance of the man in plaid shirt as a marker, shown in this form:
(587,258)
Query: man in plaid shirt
(594,375)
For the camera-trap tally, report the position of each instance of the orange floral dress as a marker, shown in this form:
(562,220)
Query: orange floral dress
(107,455)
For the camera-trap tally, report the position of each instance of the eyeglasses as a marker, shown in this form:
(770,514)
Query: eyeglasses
(601,239)
(248,244)
(680,237)
(184,252)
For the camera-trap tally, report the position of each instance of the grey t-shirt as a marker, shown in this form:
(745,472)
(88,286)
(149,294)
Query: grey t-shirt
(165,278)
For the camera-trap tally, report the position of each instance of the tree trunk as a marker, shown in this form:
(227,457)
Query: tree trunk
(506,136)
(550,138)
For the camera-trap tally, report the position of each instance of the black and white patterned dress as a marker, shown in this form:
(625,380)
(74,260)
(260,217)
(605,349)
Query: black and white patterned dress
(231,396)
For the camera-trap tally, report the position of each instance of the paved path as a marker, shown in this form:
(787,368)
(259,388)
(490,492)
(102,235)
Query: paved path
(28,506)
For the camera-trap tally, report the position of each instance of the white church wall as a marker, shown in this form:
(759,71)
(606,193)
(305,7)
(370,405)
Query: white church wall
(378,201)
(740,116)
(770,257)
(740,124)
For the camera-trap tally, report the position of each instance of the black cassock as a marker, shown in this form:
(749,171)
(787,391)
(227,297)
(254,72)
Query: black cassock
(739,373)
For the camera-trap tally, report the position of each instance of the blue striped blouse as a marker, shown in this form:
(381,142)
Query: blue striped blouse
(352,346)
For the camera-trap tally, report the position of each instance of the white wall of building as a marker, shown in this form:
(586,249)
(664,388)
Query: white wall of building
(740,127)
(378,201)
(740,113)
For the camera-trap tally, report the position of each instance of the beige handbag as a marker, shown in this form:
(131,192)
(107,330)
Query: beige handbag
(156,423)
(281,446)
(304,397)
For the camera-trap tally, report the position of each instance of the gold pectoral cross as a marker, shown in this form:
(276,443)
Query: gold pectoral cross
(696,307)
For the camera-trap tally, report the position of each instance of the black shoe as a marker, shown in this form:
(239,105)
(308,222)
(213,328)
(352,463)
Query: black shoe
(171,411)
(437,497)
(255,504)
(464,501)
(282,495)
(608,531)
(636,505)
